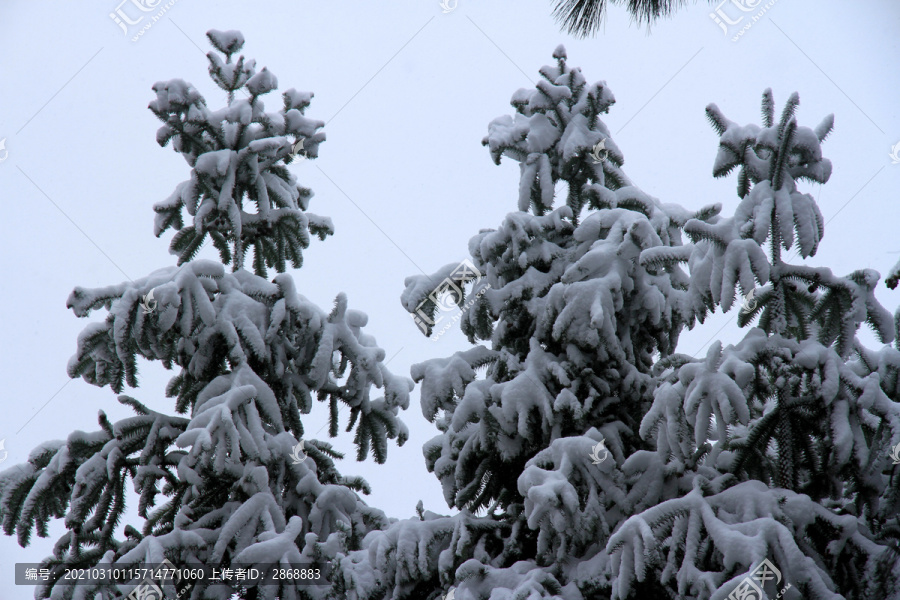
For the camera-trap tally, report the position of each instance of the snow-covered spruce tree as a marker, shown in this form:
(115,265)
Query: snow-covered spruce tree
(217,481)
(779,445)
(574,321)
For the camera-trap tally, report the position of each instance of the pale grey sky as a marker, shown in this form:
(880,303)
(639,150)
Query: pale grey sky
(407,92)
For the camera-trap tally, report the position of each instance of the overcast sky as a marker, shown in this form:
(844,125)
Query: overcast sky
(407,92)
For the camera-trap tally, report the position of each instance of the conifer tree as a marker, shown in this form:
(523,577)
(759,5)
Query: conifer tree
(784,438)
(573,321)
(218,481)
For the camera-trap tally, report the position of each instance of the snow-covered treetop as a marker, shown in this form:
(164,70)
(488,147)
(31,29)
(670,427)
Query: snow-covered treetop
(779,152)
(771,160)
(237,156)
(573,319)
(745,250)
(556,134)
(730,252)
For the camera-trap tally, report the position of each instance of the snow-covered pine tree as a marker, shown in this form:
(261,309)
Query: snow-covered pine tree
(217,480)
(779,445)
(573,320)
